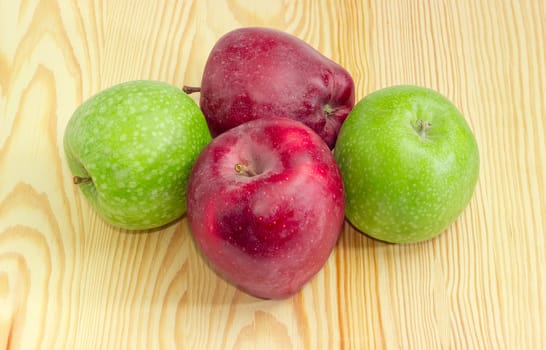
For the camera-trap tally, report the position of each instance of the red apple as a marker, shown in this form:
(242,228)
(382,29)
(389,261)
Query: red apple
(262,73)
(266,205)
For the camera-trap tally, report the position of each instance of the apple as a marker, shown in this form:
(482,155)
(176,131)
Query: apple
(258,72)
(409,163)
(131,148)
(266,205)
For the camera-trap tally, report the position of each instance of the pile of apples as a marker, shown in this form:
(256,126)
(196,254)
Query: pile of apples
(273,159)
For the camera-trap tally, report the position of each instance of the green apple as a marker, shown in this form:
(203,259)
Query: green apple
(131,148)
(409,163)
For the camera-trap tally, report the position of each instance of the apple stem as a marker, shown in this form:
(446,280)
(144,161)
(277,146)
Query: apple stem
(242,169)
(328,110)
(80,180)
(190,89)
(421,127)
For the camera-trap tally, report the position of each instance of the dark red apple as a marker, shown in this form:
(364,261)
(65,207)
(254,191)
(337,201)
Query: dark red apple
(266,205)
(256,73)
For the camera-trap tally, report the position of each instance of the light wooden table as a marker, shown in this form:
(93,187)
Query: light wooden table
(69,281)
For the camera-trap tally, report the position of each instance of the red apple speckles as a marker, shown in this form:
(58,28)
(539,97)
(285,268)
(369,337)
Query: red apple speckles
(266,205)
(263,73)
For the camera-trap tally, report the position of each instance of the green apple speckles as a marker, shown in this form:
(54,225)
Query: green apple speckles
(409,163)
(131,148)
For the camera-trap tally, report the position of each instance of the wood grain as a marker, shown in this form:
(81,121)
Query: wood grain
(70,281)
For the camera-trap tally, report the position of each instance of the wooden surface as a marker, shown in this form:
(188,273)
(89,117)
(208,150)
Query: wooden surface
(69,281)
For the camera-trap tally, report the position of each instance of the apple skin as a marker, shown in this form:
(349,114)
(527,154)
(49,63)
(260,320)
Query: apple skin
(405,184)
(136,142)
(262,73)
(266,205)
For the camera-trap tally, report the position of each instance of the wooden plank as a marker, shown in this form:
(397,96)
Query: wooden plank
(70,281)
